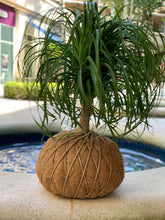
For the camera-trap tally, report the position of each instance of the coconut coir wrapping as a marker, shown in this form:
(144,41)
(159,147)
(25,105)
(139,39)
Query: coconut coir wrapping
(75,165)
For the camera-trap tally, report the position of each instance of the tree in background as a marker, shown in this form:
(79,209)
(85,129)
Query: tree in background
(143,9)
(118,3)
(114,3)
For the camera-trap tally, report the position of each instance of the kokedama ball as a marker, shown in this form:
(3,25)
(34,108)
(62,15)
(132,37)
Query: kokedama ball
(73,165)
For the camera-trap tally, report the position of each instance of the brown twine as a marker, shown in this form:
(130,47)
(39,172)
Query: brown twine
(80,166)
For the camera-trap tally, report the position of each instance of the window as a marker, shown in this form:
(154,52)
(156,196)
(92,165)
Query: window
(6,53)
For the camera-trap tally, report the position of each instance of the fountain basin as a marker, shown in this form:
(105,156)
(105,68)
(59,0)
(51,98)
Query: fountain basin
(19,153)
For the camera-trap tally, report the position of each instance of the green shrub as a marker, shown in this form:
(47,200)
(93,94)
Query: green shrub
(20,90)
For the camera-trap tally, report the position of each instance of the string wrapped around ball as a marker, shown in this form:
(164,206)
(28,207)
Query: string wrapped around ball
(75,165)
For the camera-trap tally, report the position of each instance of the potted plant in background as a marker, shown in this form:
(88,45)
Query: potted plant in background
(101,58)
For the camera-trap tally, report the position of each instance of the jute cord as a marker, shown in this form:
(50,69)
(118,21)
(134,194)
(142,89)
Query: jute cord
(88,143)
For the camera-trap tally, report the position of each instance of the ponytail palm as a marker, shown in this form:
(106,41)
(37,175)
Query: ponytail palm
(101,59)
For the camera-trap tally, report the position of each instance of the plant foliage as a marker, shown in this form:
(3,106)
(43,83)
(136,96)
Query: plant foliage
(22,90)
(101,58)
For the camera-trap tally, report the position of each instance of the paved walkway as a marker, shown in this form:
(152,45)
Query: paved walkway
(17,116)
(12,105)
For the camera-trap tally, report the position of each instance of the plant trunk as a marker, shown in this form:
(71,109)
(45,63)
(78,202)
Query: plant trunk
(84,118)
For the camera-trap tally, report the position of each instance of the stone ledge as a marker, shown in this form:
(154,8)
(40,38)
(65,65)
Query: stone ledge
(140,196)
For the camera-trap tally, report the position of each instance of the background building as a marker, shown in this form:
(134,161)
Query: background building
(14,15)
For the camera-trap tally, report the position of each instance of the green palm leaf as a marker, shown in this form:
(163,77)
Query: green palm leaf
(101,57)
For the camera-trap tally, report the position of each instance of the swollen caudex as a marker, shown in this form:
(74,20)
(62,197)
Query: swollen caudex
(75,165)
